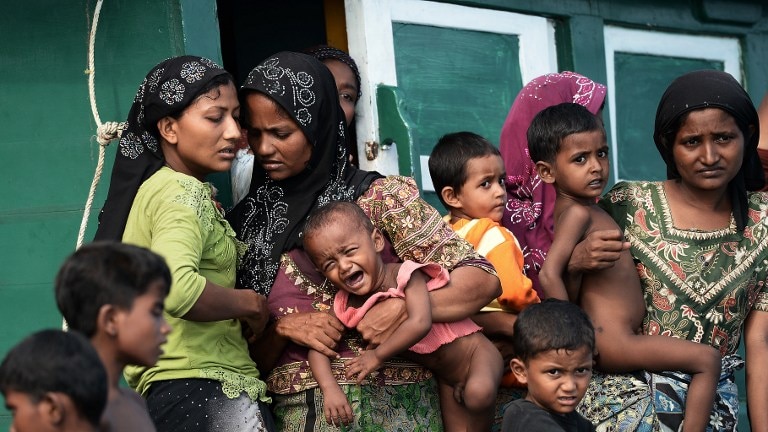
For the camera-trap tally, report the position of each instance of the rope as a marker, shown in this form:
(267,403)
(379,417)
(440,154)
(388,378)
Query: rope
(105,132)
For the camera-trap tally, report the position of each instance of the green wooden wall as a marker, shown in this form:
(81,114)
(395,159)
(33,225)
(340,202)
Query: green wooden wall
(47,152)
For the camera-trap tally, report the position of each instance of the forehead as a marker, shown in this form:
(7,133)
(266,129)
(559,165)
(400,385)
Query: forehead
(705,117)
(341,71)
(583,140)
(487,163)
(563,357)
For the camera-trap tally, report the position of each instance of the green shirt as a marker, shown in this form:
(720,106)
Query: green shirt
(175,216)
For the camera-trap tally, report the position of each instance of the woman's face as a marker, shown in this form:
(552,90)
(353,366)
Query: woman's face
(280,146)
(202,140)
(709,149)
(346,85)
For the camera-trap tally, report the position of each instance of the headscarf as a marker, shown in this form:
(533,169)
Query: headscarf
(531,202)
(270,218)
(167,89)
(325,52)
(713,89)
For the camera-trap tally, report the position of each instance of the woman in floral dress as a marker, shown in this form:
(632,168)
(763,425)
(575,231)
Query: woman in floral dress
(700,242)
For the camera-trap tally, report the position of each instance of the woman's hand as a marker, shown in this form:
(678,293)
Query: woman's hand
(319,331)
(382,320)
(598,251)
(257,321)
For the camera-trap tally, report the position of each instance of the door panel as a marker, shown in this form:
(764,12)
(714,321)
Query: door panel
(449,67)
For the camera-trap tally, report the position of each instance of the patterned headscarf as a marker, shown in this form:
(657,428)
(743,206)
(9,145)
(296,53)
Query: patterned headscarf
(325,52)
(271,217)
(716,89)
(531,202)
(167,90)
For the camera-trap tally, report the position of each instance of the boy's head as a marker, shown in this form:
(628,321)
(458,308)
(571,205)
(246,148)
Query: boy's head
(468,175)
(52,379)
(568,145)
(554,344)
(344,246)
(116,290)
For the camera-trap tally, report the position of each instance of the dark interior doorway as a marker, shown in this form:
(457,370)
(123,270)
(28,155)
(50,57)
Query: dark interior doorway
(251,30)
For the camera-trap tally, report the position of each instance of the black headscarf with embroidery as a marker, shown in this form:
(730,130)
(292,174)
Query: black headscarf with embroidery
(712,89)
(271,217)
(168,89)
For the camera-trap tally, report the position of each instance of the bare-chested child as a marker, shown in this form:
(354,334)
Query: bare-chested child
(345,247)
(569,147)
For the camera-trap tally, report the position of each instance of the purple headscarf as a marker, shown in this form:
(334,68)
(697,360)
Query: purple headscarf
(530,202)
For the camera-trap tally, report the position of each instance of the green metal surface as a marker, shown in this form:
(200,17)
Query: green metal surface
(47,150)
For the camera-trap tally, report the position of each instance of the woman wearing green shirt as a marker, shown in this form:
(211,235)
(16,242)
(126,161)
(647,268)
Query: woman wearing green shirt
(183,125)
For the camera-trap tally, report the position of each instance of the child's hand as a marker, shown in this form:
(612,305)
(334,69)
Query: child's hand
(336,407)
(359,367)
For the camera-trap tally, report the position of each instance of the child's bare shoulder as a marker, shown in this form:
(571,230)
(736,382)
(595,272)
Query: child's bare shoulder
(601,220)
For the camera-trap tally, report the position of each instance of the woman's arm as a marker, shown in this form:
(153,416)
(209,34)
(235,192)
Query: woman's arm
(217,303)
(756,344)
(418,233)
(469,289)
(598,251)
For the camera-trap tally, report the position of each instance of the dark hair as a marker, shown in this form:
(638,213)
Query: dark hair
(551,125)
(448,160)
(61,362)
(551,325)
(349,213)
(102,273)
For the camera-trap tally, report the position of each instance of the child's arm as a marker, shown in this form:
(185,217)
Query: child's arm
(657,353)
(335,404)
(412,330)
(569,230)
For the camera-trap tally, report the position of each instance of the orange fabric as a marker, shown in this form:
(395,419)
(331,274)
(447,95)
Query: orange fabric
(498,245)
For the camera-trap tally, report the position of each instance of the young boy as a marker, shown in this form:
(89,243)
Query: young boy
(554,346)
(569,147)
(113,293)
(468,174)
(343,244)
(53,381)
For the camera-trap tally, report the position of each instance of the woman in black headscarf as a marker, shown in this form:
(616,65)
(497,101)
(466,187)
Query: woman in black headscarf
(182,126)
(296,129)
(700,242)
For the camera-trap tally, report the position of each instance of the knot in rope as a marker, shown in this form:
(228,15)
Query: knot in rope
(108,131)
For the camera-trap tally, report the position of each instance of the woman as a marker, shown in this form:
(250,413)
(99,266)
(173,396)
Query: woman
(347,77)
(531,202)
(700,242)
(296,129)
(183,125)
